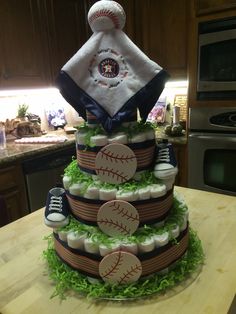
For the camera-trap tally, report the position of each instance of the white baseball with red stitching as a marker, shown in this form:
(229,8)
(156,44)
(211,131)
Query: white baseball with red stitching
(115,163)
(106,15)
(118,217)
(120,268)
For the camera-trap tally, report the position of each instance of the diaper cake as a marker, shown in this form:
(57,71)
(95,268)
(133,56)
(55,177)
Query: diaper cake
(119,229)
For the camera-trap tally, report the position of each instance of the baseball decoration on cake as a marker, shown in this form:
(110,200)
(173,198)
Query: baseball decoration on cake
(106,15)
(118,218)
(115,163)
(120,268)
(120,231)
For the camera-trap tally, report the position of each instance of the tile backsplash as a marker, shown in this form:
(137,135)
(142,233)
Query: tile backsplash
(39,101)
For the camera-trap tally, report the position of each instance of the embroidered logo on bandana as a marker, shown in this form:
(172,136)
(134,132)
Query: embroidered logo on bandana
(108,68)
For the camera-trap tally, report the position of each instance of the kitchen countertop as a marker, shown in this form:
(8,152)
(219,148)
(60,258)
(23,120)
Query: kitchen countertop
(179,140)
(17,152)
(25,287)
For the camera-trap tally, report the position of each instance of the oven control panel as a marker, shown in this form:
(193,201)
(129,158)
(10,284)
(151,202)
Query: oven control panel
(224,119)
(209,119)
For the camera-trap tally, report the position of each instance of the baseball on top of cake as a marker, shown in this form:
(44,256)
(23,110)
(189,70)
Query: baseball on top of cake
(119,229)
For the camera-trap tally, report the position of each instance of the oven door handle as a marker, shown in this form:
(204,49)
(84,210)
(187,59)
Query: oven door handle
(226,138)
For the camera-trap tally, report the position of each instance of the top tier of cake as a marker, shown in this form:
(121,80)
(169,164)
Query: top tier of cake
(116,157)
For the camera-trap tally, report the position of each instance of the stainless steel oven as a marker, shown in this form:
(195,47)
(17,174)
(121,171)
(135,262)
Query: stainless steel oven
(212,150)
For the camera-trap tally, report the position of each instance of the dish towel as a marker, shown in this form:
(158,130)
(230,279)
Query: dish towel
(110,76)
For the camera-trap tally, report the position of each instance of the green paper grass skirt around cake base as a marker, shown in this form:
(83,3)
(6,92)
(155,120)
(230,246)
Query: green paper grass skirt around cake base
(183,272)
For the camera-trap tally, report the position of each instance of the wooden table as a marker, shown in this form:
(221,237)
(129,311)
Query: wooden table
(25,286)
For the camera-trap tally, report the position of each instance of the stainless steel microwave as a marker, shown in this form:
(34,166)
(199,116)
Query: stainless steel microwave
(217,60)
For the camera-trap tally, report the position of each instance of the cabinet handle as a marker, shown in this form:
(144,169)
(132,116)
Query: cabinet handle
(5,74)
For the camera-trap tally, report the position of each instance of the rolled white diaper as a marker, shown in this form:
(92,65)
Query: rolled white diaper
(147,245)
(63,235)
(99,140)
(107,249)
(118,138)
(129,196)
(77,189)
(157,190)
(76,240)
(92,192)
(107,194)
(90,246)
(144,193)
(161,239)
(66,182)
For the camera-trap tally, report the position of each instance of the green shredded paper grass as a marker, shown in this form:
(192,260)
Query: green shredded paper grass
(66,279)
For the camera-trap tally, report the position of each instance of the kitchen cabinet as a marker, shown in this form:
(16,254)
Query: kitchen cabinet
(212,6)
(131,21)
(23,53)
(162,32)
(38,37)
(12,193)
(180,151)
(66,30)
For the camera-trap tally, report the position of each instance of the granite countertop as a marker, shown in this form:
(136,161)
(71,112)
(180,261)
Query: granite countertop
(180,140)
(18,152)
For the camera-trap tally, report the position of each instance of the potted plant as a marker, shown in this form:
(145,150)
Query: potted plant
(22,111)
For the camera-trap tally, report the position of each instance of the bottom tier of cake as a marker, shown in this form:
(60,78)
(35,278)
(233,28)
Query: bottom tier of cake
(159,256)
(183,271)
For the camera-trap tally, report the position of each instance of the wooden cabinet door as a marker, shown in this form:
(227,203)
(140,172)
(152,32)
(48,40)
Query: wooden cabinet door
(181,157)
(66,30)
(212,6)
(130,25)
(23,51)
(162,28)
(13,203)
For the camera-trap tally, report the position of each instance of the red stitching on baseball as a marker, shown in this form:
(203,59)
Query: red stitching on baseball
(113,269)
(102,83)
(123,229)
(114,52)
(111,157)
(105,13)
(125,74)
(111,172)
(129,273)
(116,207)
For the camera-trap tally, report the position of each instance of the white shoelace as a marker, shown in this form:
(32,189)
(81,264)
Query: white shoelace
(56,203)
(163,155)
